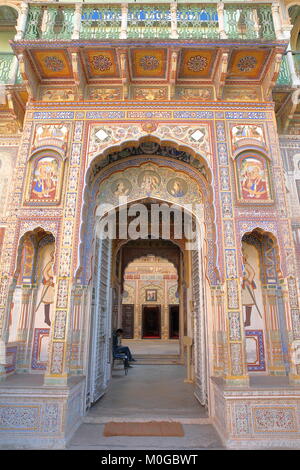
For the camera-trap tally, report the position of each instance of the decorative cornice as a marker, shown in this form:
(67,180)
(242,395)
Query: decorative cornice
(39,43)
(170,105)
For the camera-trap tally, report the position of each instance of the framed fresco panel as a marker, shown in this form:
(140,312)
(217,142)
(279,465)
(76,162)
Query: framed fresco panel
(253,179)
(151,295)
(44,180)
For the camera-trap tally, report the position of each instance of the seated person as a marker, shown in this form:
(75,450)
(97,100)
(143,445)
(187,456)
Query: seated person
(117,345)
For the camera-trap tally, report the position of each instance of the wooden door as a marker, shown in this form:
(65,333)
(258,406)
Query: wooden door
(151,322)
(128,320)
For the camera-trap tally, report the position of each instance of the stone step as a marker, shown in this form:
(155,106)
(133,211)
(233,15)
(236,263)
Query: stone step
(178,417)
(169,356)
(156,359)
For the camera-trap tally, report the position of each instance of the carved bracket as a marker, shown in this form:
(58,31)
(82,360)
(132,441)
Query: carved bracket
(124,72)
(221,72)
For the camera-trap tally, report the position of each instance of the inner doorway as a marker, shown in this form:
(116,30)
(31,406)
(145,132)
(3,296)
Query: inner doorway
(150,292)
(151,322)
(174,321)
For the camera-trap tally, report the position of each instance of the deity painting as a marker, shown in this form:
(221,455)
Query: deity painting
(121,187)
(149,181)
(177,187)
(45,179)
(253,179)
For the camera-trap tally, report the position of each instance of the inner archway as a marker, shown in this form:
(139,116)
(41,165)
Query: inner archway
(150,299)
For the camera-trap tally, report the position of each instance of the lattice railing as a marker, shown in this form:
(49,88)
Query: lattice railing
(284,77)
(249,22)
(49,22)
(151,21)
(100,22)
(148,21)
(197,21)
(6,60)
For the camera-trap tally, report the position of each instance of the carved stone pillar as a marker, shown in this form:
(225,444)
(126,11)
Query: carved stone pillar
(273,340)
(173,9)
(236,367)
(22,19)
(44,21)
(77,21)
(277,21)
(220,9)
(294,374)
(7,261)
(78,330)
(60,337)
(219,328)
(124,19)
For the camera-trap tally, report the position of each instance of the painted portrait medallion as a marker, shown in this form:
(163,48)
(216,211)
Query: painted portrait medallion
(121,187)
(253,179)
(149,181)
(177,187)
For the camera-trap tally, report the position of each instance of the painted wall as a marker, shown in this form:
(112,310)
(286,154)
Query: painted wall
(5,37)
(252,297)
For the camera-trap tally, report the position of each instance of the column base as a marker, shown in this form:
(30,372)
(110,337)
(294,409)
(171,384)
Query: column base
(239,381)
(294,379)
(60,381)
(39,417)
(261,417)
(2,373)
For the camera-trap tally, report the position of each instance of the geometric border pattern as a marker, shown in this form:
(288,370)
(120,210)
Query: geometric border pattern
(260,349)
(12,366)
(39,333)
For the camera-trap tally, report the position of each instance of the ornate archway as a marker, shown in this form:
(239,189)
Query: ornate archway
(127,178)
(193,167)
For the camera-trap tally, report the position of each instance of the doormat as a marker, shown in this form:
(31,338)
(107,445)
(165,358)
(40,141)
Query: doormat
(151,428)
